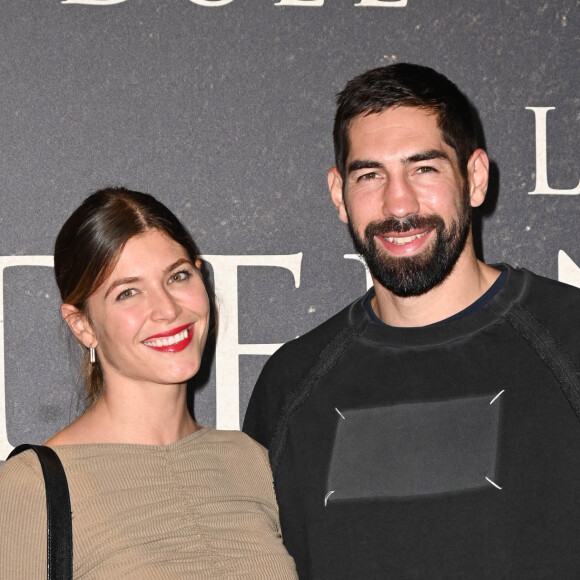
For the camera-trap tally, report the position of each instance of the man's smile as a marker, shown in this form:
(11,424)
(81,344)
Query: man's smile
(401,240)
(405,243)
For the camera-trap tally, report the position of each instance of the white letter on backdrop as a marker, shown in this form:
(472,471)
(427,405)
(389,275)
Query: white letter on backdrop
(6,262)
(300,3)
(542,187)
(93,2)
(211,3)
(228,347)
(391,3)
(568,271)
(359,258)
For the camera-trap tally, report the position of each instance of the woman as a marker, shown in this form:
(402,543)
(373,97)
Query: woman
(153,494)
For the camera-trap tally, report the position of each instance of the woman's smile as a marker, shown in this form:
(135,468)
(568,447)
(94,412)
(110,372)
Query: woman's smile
(171,341)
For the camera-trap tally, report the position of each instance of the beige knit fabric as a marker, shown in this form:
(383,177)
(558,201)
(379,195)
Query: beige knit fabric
(202,507)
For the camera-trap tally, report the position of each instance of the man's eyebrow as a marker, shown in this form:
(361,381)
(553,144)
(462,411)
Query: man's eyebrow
(427,156)
(363,164)
(415,158)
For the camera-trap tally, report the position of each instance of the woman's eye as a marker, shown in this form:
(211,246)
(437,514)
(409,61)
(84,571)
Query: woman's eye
(127,294)
(180,276)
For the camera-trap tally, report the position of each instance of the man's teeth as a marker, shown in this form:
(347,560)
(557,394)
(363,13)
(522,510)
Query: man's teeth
(168,340)
(406,240)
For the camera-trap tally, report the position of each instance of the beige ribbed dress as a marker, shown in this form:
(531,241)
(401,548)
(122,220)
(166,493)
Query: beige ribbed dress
(202,507)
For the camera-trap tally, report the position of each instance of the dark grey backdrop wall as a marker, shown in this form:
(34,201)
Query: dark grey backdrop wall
(223,109)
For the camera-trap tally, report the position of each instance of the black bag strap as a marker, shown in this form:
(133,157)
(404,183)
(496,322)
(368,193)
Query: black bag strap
(59,518)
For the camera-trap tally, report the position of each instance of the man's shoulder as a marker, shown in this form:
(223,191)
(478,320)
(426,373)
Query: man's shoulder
(547,295)
(284,370)
(554,305)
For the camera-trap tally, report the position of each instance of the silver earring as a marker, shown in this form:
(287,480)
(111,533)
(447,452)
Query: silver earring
(92,355)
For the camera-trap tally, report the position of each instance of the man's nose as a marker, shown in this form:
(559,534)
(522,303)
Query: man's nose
(399,198)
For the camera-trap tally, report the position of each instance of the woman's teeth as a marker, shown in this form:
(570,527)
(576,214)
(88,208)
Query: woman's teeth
(168,340)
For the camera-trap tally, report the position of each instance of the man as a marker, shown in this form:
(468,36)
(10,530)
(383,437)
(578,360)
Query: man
(431,429)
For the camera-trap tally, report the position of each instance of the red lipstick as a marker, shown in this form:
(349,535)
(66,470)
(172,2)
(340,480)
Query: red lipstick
(174,340)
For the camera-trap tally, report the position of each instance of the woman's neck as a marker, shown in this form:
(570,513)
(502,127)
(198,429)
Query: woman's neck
(143,414)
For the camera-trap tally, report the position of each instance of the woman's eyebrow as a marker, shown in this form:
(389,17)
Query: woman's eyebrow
(120,282)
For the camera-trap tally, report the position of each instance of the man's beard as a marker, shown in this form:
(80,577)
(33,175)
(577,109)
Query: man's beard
(415,275)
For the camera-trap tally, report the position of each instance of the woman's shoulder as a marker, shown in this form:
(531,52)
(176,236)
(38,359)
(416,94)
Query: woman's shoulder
(21,481)
(238,443)
(21,469)
(22,517)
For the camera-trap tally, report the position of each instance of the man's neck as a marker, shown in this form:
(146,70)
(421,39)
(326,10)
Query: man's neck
(469,279)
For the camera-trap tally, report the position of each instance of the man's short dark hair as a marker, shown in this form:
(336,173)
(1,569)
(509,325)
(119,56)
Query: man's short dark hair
(408,85)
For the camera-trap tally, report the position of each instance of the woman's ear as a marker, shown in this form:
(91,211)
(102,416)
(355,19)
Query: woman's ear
(79,325)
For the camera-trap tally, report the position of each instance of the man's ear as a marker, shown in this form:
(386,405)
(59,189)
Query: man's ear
(79,325)
(335,186)
(478,176)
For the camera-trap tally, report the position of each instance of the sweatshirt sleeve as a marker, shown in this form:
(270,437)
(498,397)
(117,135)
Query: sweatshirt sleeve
(284,371)
(22,518)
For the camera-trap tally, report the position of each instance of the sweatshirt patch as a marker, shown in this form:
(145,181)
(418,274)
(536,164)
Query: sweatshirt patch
(415,449)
